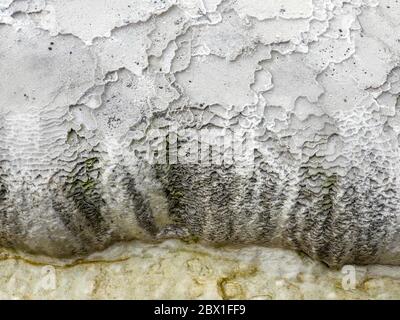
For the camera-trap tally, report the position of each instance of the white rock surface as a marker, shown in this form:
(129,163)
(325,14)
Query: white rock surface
(93,93)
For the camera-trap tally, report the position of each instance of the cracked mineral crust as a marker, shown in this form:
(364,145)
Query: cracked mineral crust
(269,123)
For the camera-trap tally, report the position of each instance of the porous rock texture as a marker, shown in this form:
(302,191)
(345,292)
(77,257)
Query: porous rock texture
(91,92)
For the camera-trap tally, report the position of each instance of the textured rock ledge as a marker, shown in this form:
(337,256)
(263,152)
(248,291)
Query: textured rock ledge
(92,93)
(178,270)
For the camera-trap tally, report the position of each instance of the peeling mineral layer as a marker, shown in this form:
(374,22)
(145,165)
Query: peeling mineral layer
(98,98)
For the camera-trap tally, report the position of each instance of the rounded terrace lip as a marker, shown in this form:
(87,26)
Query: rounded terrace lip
(247,122)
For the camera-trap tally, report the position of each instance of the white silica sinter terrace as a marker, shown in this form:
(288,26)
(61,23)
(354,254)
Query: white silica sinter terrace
(248,122)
